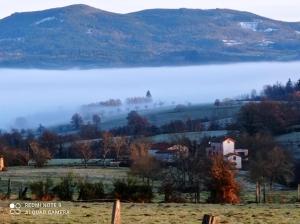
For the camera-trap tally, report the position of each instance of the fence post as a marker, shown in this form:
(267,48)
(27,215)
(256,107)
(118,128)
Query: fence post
(209,219)
(8,189)
(298,194)
(257,192)
(116,213)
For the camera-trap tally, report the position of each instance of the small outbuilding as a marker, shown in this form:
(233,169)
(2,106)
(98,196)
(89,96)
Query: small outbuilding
(235,159)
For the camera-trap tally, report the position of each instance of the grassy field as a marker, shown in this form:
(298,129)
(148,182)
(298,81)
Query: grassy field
(100,213)
(25,175)
(160,116)
(153,213)
(192,136)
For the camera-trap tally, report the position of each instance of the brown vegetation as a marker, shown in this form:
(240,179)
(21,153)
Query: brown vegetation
(224,188)
(39,155)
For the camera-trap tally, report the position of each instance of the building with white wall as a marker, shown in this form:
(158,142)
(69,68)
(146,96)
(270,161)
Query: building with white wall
(227,149)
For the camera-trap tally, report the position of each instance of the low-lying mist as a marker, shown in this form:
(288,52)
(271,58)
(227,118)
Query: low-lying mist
(50,97)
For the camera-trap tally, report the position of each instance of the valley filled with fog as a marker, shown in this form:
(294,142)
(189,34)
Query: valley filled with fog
(50,97)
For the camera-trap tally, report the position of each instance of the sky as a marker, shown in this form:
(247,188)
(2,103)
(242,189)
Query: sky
(287,10)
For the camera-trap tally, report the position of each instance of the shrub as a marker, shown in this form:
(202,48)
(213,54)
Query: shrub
(42,190)
(14,157)
(129,190)
(144,193)
(91,191)
(65,189)
(168,188)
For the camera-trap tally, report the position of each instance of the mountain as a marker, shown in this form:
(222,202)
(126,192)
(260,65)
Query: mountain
(86,37)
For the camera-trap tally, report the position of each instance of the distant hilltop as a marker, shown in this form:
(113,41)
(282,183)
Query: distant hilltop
(86,37)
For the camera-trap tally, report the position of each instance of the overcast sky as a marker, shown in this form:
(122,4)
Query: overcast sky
(288,10)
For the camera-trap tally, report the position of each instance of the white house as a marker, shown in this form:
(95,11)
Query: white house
(227,149)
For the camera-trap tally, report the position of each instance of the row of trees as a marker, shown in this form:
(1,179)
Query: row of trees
(269,163)
(77,121)
(138,125)
(192,173)
(268,116)
(18,149)
(278,91)
(118,102)
(109,146)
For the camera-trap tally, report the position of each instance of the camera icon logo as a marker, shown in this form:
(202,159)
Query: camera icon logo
(15,208)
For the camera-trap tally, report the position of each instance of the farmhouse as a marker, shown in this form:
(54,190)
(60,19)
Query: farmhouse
(167,153)
(226,148)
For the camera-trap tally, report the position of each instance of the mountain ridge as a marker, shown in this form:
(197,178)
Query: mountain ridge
(86,37)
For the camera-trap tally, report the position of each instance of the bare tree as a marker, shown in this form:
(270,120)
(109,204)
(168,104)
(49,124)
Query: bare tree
(84,151)
(143,164)
(268,162)
(107,143)
(39,155)
(119,144)
(279,166)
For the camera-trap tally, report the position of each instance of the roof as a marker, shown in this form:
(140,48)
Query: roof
(221,139)
(232,154)
(178,148)
(229,139)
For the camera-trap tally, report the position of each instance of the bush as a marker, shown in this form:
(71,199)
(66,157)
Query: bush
(129,190)
(42,190)
(91,191)
(65,190)
(14,157)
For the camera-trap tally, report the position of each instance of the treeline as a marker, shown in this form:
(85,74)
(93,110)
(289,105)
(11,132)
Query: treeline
(118,103)
(268,116)
(290,91)
(139,125)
